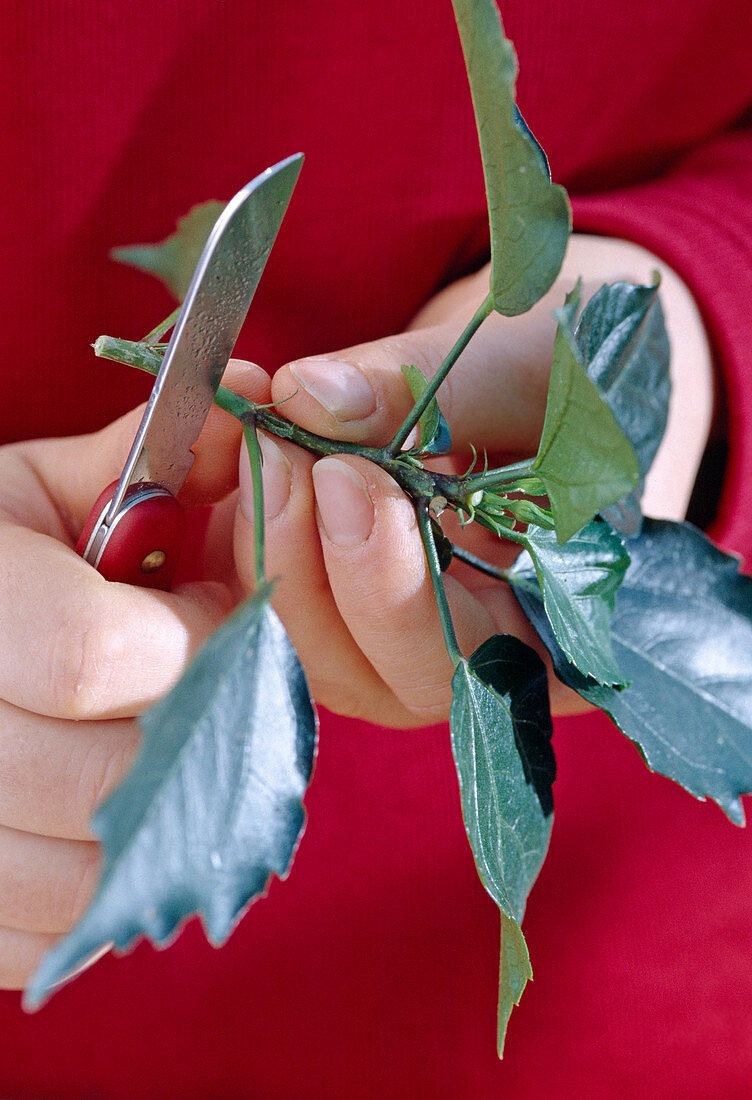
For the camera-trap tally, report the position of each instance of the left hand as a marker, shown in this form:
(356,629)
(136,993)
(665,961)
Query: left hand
(354,590)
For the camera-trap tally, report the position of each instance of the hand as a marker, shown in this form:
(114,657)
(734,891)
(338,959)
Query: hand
(79,657)
(354,590)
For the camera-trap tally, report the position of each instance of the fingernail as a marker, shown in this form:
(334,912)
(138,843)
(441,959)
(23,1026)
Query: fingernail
(342,389)
(345,508)
(275,476)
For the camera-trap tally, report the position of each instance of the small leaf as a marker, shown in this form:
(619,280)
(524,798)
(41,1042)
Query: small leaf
(578,582)
(584,459)
(501,739)
(213,804)
(174,259)
(622,339)
(682,634)
(529,216)
(434,438)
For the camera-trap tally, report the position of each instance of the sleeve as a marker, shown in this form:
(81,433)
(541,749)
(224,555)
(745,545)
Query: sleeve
(698,218)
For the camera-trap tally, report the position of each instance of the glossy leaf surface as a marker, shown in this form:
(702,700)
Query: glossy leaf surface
(213,804)
(529,216)
(578,582)
(682,635)
(584,459)
(501,739)
(174,259)
(622,339)
(433,438)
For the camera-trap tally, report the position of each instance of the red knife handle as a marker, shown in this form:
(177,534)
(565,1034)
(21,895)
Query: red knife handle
(142,545)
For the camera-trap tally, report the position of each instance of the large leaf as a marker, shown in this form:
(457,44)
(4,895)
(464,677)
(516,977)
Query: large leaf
(682,634)
(501,739)
(174,259)
(529,216)
(622,339)
(578,582)
(213,803)
(433,430)
(584,459)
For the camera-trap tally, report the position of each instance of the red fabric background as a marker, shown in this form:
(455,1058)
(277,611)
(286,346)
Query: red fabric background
(372,970)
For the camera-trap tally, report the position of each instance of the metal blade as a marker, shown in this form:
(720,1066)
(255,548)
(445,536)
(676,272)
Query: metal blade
(215,306)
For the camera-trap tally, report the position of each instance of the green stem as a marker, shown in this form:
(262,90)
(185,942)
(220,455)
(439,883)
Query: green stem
(429,393)
(154,336)
(255,459)
(434,568)
(134,354)
(479,564)
(411,476)
(495,479)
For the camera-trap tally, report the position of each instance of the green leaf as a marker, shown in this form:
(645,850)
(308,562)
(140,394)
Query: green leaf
(514,974)
(621,337)
(213,804)
(578,582)
(434,438)
(174,259)
(584,459)
(529,216)
(682,634)
(501,739)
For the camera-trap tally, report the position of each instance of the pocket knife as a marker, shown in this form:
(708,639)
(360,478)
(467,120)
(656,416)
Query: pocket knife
(135,529)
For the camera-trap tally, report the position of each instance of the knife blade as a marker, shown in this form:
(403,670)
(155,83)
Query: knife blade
(134,530)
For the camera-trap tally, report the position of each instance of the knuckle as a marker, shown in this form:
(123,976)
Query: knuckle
(80,888)
(430,703)
(103,767)
(83,661)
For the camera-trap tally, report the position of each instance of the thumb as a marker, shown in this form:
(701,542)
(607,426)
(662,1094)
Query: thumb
(494,396)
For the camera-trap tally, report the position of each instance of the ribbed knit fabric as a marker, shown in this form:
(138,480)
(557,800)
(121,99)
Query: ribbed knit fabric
(371,972)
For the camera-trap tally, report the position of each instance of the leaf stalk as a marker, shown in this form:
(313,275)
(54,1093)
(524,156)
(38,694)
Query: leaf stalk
(434,568)
(420,406)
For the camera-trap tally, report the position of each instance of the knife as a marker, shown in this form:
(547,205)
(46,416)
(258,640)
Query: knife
(135,529)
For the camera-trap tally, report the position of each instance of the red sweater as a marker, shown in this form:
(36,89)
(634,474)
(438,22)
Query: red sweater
(371,971)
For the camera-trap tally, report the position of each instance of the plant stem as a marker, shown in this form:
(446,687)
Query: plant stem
(254,457)
(155,334)
(429,393)
(478,563)
(418,482)
(434,568)
(495,479)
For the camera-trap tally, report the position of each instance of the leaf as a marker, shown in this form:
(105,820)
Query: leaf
(213,804)
(434,438)
(682,634)
(514,974)
(584,460)
(501,739)
(625,515)
(578,582)
(529,216)
(622,339)
(174,259)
